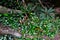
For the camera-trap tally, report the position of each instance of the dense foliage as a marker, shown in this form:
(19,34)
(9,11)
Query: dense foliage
(39,22)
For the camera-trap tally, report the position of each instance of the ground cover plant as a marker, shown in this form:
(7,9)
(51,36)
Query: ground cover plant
(36,22)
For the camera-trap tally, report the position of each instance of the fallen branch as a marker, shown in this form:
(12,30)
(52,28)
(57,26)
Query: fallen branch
(7,10)
(4,30)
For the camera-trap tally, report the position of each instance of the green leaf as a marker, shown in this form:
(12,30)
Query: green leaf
(50,10)
(5,14)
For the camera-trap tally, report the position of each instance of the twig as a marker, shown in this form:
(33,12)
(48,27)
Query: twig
(24,19)
(24,4)
(16,0)
(41,4)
